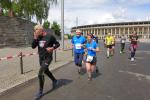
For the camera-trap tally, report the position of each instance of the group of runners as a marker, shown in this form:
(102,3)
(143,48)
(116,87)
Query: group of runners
(109,43)
(85,50)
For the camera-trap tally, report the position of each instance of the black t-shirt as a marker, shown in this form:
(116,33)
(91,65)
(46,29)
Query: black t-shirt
(44,42)
(133,39)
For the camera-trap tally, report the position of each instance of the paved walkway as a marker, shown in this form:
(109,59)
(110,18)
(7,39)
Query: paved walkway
(10,69)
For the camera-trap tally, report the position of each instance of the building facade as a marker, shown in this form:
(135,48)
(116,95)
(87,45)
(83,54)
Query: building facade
(117,29)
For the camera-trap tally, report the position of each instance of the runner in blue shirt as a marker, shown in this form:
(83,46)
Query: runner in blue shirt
(95,38)
(91,48)
(78,42)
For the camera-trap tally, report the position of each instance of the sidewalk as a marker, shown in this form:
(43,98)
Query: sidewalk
(10,69)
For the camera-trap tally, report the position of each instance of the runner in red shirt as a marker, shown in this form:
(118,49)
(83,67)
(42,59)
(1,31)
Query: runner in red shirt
(133,45)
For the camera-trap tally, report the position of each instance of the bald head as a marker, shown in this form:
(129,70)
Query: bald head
(38,29)
(78,32)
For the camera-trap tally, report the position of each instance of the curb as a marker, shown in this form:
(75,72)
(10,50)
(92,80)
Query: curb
(30,80)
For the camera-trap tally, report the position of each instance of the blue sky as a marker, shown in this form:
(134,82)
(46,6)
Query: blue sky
(100,11)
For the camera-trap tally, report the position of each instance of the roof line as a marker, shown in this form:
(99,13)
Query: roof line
(110,24)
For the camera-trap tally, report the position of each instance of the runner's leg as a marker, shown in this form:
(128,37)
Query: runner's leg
(132,53)
(41,78)
(88,68)
(123,47)
(76,59)
(108,52)
(80,59)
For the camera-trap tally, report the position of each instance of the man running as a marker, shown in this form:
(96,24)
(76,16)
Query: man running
(108,43)
(133,45)
(78,42)
(92,48)
(122,43)
(46,43)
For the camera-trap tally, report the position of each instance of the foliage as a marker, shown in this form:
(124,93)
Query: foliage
(56,28)
(46,24)
(28,9)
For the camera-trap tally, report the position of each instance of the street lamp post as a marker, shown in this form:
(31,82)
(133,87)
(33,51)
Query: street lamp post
(62,23)
(76,22)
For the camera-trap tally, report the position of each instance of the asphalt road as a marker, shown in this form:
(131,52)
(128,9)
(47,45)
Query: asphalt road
(119,79)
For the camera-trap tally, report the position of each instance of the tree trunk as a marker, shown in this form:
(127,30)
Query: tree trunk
(10,14)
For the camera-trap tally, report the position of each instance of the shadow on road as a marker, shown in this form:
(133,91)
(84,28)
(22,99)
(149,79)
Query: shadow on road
(95,75)
(62,82)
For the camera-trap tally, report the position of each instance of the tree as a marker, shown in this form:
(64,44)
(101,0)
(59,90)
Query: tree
(46,24)
(7,5)
(56,28)
(28,8)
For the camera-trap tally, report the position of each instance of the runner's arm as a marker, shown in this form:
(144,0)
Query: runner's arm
(72,43)
(34,43)
(56,43)
(97,48)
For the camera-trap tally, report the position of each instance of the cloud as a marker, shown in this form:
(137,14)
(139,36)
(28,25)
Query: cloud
(133,2)
(120,12)
(99,11)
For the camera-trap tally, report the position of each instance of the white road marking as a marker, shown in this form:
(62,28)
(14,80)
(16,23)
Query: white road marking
(138,75)
(133,64)
(148,53)
(139,57)
(142,51)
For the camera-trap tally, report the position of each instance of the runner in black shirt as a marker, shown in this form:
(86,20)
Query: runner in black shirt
(46,43)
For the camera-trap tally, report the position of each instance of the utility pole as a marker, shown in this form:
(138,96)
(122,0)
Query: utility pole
(62,23)
(76,22)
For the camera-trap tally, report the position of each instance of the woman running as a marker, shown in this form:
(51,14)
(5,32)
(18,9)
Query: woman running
(91,48)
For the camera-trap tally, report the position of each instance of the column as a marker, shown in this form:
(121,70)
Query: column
(86,31)
(104,32)
(94,31)
(142,32)
(148,34)
(128,31)
(97,32)
(91,31)
(124,31)
(119,32)
(138,30)
(132,28)
(111,31)
(101,33)
(115,31)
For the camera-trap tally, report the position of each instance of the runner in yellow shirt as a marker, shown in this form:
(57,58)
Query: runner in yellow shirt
(108,43)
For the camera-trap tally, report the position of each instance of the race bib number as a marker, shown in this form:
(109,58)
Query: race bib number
(78,46)
(89,58)
(90,48)
(42,43)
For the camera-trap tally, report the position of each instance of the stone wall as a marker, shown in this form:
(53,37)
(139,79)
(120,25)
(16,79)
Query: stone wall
(15,32)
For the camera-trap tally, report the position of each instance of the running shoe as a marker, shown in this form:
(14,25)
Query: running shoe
(38,95)
(55,84)
(132,59)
